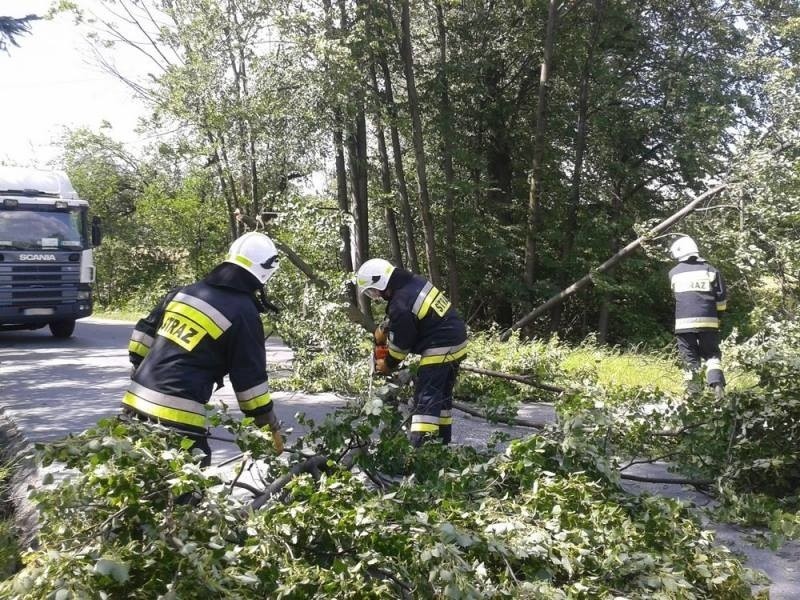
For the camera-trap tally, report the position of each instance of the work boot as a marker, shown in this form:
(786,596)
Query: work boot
(719,390)
(692,382)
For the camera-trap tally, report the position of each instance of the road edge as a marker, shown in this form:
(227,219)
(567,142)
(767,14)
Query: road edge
(18,453)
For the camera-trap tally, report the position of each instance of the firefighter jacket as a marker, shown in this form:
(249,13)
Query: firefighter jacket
(196,336)
(700,295)
(422,320)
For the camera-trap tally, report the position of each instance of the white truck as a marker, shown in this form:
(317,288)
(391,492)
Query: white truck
(46,262)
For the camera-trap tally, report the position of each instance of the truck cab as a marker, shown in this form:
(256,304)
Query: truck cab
(46,261)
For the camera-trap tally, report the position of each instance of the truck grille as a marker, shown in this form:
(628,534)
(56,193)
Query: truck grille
(38,285)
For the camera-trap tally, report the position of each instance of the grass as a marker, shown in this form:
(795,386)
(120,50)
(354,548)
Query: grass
(615,367)
(630,368)
(114,314)
(9,550)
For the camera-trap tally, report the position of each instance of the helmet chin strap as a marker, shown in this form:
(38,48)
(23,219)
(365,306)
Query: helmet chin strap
(264,305)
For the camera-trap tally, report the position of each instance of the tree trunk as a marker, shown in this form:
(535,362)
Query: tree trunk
(446,111)
(407,55)
(535,194)
(357,159)
(581,134)
(386,175)
(226,179)
(245,162)
(613,261)
(342,200)
(399,169)
(604,319)
(346,253)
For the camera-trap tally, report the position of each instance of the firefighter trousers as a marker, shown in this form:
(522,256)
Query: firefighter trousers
(696,346)
(433,403)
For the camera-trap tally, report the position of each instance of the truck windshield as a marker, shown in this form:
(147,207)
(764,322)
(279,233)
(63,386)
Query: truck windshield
(43,228)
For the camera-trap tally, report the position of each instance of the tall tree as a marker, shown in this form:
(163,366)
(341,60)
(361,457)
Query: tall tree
(535,193)
(447,133)
(581,134)
(407,56)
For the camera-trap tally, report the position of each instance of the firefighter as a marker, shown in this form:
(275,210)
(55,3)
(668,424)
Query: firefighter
(419,319)
(700,297)
(200,333)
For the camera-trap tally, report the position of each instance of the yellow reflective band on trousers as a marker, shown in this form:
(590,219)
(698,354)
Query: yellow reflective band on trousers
(138,348)
(166,413)
(425,423)
(697,323)
(448,355)
(445,417)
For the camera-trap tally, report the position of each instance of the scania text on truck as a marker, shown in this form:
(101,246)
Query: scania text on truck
(46,262)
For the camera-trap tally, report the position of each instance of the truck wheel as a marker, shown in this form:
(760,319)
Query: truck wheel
(62,329)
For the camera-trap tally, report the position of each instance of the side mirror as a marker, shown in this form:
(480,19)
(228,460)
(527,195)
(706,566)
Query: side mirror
(97,232)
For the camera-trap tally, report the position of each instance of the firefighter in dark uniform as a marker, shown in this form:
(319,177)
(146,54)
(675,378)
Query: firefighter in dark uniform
(200,333)
(420,319)
(700,297)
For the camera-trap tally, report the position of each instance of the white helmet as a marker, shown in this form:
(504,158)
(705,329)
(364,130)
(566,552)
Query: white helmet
(256,253)
(374,275)
(684,248)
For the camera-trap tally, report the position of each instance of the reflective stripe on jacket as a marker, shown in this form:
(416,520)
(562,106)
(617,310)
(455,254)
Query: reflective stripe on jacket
(203,333)
(700,295)
(422,320)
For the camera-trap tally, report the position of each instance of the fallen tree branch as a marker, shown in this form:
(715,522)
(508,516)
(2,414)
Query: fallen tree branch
(611,262)
(648,461)
(463,407)
(313,465)
(298,262)
(352,311)
(676,481)
(681,431)
(511,377)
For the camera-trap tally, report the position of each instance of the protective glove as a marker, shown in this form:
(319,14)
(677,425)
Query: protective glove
(382,367)
(271,419)
(267,418)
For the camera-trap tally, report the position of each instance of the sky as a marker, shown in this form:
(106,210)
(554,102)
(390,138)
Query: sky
(49,83)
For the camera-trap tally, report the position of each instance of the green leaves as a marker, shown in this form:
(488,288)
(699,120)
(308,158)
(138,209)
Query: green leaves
(458,523)
(109,567)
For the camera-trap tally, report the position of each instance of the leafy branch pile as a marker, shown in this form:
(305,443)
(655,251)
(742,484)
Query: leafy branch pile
(744,448)
(442,522)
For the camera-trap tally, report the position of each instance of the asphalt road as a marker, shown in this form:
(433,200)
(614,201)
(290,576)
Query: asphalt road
(51,387)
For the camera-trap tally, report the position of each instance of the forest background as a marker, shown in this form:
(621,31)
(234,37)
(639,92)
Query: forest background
(503,149)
